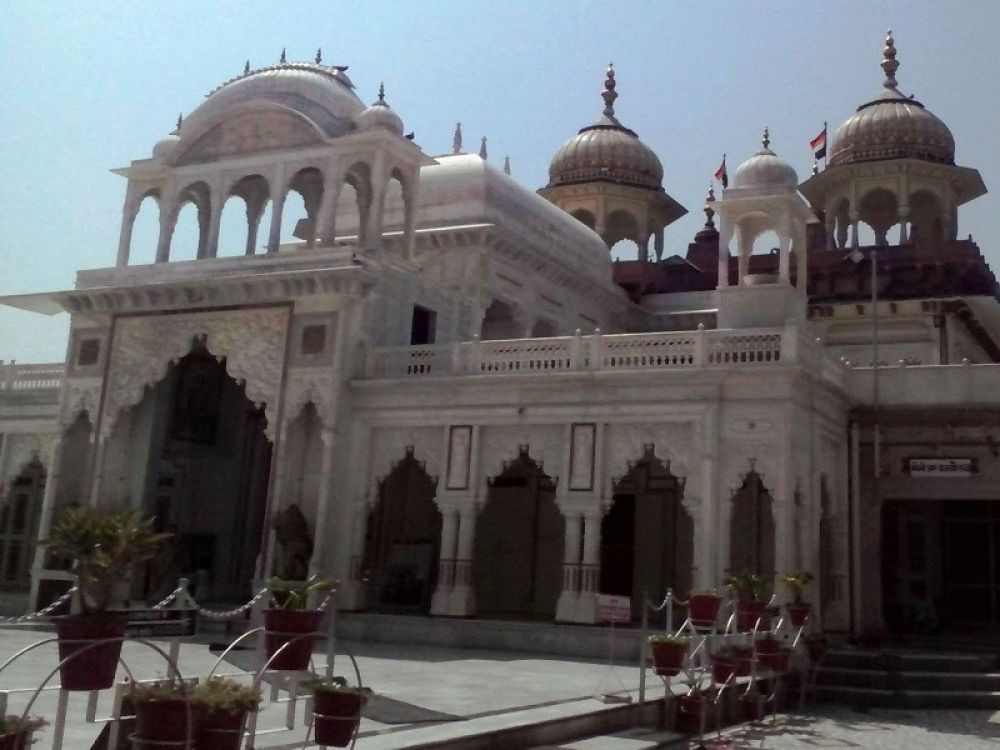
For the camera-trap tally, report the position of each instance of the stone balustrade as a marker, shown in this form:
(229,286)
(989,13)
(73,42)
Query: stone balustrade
(962,385)
(15,377)
(684,350)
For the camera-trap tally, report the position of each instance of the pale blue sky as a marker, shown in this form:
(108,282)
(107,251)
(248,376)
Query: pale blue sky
(90,86)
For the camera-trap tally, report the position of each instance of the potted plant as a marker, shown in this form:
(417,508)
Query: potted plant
(773,654)
(749,589)
(291,623)
(798,610)
(337,711)
(15,733)
(752,704)
(669,652)
(104,547)
(165,712)
(703,607)
(724,664)
(224,705)
(696,704)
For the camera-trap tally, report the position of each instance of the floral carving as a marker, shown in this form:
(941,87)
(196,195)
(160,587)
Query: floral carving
(671,441)
(310,385)
(22,449)
(251,340)
(390,444)
(500,445)
(80,395)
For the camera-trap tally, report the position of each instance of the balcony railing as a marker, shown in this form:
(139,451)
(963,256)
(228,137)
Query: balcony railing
(686,350)
(14,377)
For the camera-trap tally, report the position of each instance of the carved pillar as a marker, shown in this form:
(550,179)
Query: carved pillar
(842,232)
(326,223)
(590,568)
(45,519)
(744,249)
(441,601)
(410,214)
(321,532)
(725,237)
(658,245)
(463,595)
(904,217)
(255,210)
(168,220)
(570,594)
(829,227)
(274,236)
(353,593)
(95,487)
(855,217)
(129,213)
(376,215)
(784,258)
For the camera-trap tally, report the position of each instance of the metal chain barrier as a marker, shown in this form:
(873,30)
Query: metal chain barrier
(228,614)
(169,598)
(42,612)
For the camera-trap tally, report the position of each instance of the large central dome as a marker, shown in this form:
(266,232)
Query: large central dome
(892,126)
(606,150)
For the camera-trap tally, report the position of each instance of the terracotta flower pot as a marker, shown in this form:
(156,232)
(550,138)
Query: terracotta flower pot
(748,611)
(744,660)
(94,667)
(284,625)
(694,712)
(166,720)
(777,662)
(221,730)
(668,658)
(703,609)
(723,668)
(767,646)
(798,613)
(336,716)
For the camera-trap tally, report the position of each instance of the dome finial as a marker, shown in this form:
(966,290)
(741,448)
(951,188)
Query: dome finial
(609,94)
(482,149)
(246,68)
(709,211)
(284,57)
(381,94)
(180,120)
(319,55)
(456,142)
(889,63)
(766,140)
(506,165)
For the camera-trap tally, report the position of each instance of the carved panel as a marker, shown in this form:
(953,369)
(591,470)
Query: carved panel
(251,340)
(22,450)
(389,445)
(499,445)
(671,441)
(251,132)
(307,385)
(79,395)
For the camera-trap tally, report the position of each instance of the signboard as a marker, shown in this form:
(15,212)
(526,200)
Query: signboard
(940,468)
(614,608)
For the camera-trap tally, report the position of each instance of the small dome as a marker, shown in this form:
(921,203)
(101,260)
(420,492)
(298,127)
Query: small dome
(606,150)
(764,170)
(380,115)
(892,126)
(164,146)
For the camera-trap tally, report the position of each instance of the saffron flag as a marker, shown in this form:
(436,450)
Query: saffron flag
(818,144)
(721,174)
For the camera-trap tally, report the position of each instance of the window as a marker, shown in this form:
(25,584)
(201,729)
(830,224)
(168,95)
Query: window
(313,339)
(422,329)
(89,350)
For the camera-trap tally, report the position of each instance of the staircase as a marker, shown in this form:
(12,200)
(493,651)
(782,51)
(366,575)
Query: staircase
(909,679)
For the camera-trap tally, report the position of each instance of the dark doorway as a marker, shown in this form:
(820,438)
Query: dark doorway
(404,539)
(19,514)
(647,540)
(519,544)
(751,529)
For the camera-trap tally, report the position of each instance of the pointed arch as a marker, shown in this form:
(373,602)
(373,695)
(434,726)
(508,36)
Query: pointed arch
(752,531)
(145,230)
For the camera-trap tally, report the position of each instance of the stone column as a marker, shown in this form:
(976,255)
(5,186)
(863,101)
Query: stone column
(255,210)
(855,217)
(274,236)
(842,232)
(211,248)
(830,227)
(168,220)
(463,594)
(410,190)
(376,214)
(129,213)
(904,217)
(321,532)
(326,220)
(658,245)
(45,519)
(570,594)
(353,595)
(441,601)
(95,487)
(784,259)
(725,237)
(590,568)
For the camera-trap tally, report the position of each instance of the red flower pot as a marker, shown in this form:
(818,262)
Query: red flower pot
(694,711)
(777,662)
(744,660)
(767,646)
(723,668)
(221,730)
(94,666)
(668,658)
(336,717)
(798,613)
(816,648)
(167,720)
(748,611)
(283,626)
(703,609)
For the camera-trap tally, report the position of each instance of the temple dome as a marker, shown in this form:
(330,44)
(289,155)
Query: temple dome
(892,126)
(765,171)
(606,150)
(380,115)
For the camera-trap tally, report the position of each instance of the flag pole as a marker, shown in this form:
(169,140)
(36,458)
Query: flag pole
(826,144)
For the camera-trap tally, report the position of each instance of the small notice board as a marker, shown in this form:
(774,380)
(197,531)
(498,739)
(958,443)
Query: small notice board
(614,609)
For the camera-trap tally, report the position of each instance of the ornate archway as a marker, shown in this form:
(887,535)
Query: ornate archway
(647,536)
(752,528)
(403,539)
(20,511)
(520,533)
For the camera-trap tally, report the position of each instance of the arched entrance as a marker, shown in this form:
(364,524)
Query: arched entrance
(647,536)
(517,567)
(200,461)
(751,529)
(20,510)
(404,539)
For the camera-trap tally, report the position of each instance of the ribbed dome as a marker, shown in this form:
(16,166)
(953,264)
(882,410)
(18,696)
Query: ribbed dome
(606,150)
(892,126)
(764,170)
(380,115)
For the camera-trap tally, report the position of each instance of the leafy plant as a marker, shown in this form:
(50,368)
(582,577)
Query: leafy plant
(747,585)
(668,640)
(295,594)
(339,685)
(104,547)
(13,725)
(222,694)
(158,691)
(796,584)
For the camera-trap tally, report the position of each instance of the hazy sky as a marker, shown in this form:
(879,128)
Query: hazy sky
(91,86)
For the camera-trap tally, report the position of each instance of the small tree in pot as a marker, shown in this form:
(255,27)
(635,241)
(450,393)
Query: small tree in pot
(798,610)
(292,623)
(15,734)
(750,590)
(337,711)
(104,547)
(224,706)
